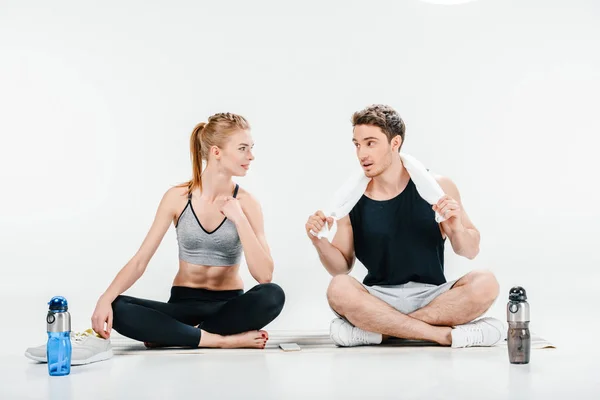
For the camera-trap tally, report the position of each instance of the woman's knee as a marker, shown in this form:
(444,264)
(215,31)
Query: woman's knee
(272,296)
(120,302)
(119,307)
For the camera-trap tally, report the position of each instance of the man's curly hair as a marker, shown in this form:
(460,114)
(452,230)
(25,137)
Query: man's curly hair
(385,117)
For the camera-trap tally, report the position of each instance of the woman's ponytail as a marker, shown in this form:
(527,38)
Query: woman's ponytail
(196,153)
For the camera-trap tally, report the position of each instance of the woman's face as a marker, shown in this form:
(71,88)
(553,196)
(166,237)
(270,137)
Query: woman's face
(237,154)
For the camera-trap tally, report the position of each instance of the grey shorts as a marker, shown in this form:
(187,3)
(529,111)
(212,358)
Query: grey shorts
(408,297)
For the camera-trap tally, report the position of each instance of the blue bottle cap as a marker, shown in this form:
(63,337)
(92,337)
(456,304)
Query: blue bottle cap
(58,304)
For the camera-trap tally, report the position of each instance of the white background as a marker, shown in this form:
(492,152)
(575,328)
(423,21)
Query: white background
(97,103)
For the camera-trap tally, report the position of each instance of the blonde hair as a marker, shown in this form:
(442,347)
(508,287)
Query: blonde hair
(207,134)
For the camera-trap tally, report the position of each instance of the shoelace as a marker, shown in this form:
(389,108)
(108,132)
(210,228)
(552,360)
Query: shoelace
(79,337)
(360,335)
(474,334)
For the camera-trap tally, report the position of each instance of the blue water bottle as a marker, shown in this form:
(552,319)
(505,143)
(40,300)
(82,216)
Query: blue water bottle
(58,348)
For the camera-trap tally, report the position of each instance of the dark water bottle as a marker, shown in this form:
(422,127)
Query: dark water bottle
(519,337)
(58,348)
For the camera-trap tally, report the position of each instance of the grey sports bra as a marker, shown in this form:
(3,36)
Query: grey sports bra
(221,247)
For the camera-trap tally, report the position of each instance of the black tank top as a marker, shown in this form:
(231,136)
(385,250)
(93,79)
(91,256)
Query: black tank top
(398,240)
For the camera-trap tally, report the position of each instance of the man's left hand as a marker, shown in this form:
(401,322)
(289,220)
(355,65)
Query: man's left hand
(450,209)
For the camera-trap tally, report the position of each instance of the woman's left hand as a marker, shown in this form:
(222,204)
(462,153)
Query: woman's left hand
(232,209)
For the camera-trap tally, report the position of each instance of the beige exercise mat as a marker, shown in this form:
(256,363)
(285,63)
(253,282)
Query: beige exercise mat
(308,341)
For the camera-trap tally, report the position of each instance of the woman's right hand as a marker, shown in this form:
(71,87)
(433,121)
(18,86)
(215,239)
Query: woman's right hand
(102,314)
(170,205)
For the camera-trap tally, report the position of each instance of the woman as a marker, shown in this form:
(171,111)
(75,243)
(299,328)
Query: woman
(215,220)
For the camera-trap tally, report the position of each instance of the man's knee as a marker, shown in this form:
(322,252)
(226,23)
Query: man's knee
(484,286)
(340,288)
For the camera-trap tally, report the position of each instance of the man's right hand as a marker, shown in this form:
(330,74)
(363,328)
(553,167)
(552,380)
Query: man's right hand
(102,314)
(315,223)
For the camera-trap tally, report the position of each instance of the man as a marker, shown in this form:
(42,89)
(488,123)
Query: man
(393,232)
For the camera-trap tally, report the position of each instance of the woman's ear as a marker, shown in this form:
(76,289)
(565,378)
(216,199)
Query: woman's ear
(215,151)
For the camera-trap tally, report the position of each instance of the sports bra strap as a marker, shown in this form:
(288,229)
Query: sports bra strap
(235,192)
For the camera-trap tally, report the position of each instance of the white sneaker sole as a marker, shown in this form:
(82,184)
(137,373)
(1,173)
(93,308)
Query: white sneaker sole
(34,358)
(105,355)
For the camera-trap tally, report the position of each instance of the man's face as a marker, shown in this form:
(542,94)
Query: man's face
(373,150)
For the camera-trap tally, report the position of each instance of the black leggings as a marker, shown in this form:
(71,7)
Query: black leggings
(225,312)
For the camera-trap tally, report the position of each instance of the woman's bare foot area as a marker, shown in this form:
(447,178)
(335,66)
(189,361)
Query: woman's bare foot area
(250,339)
(150,345)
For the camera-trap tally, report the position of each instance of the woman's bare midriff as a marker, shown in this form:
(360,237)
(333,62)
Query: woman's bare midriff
(205,277)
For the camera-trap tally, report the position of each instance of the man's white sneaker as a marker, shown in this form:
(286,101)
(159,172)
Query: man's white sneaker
(344,334)
(87,347)
(483,332)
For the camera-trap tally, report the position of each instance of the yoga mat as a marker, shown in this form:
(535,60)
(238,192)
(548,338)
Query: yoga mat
(309,341)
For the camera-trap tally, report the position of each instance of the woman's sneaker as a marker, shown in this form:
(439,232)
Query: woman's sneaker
(87,347)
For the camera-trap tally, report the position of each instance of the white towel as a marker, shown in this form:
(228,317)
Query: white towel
(353,189)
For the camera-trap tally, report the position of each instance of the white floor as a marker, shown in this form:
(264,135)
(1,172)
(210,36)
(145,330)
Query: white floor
(378,372)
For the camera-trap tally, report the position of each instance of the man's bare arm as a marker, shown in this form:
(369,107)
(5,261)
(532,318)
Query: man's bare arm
(459,228)
(338,256)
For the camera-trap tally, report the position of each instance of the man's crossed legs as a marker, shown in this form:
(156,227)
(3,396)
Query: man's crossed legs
(440,314)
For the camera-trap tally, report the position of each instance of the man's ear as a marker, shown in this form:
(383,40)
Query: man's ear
(396,142)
